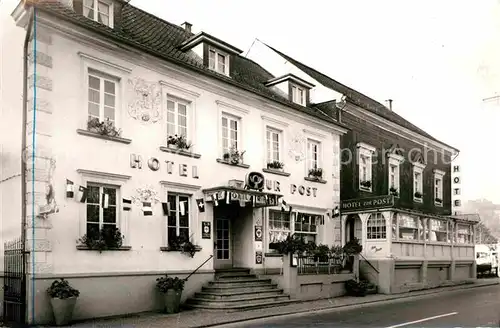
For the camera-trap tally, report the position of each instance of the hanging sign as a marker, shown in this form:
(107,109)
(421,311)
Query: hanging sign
(258,257)
(205,230)
(258,233)
(254,181)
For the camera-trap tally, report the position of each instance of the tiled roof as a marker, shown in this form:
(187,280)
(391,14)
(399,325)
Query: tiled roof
(162,39)
(356,97)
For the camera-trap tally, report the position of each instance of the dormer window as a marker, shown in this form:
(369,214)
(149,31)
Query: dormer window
(215,53)
(218,61)
(298,95)
(100,11)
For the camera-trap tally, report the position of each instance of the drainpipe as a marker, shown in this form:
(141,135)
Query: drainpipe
(23,136)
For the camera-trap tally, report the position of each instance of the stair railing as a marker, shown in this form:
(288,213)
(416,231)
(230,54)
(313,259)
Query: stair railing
(210,257)
(369,263)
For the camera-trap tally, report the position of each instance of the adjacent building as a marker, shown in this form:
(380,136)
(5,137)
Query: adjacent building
(137,124)
(396,187)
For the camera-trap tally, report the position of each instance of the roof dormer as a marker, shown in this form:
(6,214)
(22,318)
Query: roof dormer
(105,12)
(216,53)
(296,89)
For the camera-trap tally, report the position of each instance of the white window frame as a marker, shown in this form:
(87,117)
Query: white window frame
(177,214)
(96,11)
(378,217)
(438,183)
(367,151)
(470,234)
(269,143)
(309,160)
(270,230)
(418,184)
(296,95)
(394,160)
(101,210)
(118,72)
(218,53)
(176,102)
(230,117)
(103,77)
(117,181)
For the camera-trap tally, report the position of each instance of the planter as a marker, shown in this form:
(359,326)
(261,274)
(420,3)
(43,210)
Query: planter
(63,309)
(172,301)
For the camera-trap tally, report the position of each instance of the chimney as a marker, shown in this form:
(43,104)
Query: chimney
(390,104)
(187,26)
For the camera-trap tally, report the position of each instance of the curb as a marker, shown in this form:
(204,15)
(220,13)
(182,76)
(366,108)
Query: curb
(332,307)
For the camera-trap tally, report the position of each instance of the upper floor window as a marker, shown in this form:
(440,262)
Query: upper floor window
(438,187)
(99,10)
(394,174)
(298,95)
(418,173)
(376,227)
(273,142)
(102,94)
(365,153)
(231,126)
(313,155)
(218,61)
(177,118)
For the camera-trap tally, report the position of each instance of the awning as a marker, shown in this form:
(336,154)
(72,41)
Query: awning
(228,195)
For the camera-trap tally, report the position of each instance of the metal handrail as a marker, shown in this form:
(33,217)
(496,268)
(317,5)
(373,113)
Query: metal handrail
(369,263)
(185,279)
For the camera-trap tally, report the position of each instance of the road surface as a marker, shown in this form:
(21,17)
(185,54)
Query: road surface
(475,307)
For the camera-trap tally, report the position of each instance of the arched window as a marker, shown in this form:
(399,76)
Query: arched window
(376,227)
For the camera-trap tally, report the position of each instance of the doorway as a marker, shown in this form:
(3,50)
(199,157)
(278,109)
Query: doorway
(222,246)
(353,228)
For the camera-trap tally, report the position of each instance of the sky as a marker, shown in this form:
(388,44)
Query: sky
(437,60)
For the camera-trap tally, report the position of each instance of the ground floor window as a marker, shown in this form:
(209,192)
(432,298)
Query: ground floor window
(178,217)
(438,230)
(409,227)
(282,224)
(376,227)
(101,208)
(464,234)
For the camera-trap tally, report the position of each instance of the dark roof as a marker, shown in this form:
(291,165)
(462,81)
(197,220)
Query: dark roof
(162,39)
(357,98)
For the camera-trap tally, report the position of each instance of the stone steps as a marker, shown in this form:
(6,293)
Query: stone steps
(238,289)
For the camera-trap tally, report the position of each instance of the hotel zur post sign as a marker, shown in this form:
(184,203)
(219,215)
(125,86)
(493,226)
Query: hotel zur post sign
(371,203)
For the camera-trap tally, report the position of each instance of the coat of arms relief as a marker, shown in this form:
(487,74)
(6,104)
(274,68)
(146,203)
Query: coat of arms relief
(296,145)
(145,105)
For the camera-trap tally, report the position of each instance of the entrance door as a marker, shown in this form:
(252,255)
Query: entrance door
(222,250)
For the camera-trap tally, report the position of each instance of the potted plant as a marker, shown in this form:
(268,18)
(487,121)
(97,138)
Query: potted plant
(276,165)
(233,156)
(109,237)
(62,299)
(351,248)
(179,142)
(393,191)
(105,128)
(321,253)
(171,288)
(438,200)
(183,244)
(356,288)
(316,173)
(366,184)
(418,195)
(336,253)
(293,244)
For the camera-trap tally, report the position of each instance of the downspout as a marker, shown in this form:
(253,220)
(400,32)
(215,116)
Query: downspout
(24,154)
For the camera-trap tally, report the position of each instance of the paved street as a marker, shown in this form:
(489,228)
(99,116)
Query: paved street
(477,307)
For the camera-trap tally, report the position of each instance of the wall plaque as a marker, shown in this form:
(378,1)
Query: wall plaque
(258,233)
(206,231)
(258,257)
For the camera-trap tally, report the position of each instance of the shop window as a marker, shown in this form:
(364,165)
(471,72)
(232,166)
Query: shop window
(177,118)
(178,217)
(452,237)
(306,225)
(438,230)
(376,227)
(101,210)
(464,234)
(279,226)
(409,227)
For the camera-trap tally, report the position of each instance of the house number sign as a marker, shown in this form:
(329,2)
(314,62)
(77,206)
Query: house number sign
(153,164)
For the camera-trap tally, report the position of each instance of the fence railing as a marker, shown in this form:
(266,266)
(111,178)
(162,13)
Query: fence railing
(315,265)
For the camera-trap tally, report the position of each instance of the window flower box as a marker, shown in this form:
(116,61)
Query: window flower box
(108,238)
(366,185)
(178,142)
(438,201)
(183,245)
(233,156)
(276,165)
(316,173)
(393,191)
(418,195)
(105,128)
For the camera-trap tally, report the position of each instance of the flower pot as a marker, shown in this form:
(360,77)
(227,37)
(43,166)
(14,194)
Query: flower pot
(172,146)
(63,309)
(172,301)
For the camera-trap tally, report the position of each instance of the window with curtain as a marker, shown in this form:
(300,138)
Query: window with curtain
(278,226)
(438,230)
(464,234)
(408,227)
(306,225)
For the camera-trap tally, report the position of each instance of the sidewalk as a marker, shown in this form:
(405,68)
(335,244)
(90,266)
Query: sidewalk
(201,318)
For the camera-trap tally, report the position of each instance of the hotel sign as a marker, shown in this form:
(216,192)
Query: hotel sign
(367,203)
